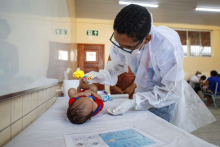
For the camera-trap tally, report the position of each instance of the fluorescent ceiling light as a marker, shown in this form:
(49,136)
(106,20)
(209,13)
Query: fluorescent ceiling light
(142,4)
(208,9)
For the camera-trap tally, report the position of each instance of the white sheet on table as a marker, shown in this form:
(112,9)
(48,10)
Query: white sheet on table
(49,128)
(122,134)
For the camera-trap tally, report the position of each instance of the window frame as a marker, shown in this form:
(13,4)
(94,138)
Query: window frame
(188,54)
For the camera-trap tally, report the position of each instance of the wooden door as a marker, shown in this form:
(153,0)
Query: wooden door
(91,58)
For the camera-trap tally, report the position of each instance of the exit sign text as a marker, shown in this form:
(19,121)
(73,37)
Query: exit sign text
(92,33)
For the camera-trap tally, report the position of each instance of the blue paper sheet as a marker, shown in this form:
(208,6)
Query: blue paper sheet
(125,138)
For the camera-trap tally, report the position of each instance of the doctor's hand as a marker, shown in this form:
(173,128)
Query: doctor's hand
(122,108)
(96,77)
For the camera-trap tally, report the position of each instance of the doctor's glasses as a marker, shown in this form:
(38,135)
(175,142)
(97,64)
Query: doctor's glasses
(131,50)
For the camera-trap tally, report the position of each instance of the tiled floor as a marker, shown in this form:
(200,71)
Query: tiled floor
(211,132)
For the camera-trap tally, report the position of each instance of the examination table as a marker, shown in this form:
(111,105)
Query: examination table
(49,129)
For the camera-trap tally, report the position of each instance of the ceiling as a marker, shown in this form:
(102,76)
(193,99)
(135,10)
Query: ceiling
(169,11)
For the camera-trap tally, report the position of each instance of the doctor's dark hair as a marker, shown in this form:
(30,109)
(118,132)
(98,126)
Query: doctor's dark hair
(76,115)
(134,21)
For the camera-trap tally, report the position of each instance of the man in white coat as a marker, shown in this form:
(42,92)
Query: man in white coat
(195,78)
(155,56)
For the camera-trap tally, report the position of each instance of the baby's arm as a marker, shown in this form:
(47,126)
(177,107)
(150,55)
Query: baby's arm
(206,83)
(90,89)
(95,94)
(72,92)
(82,93)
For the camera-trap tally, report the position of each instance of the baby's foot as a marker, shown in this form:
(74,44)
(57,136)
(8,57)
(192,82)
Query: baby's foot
(82,82)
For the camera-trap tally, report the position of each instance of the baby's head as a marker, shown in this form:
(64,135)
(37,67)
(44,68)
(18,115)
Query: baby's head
(203,77)
(80,110)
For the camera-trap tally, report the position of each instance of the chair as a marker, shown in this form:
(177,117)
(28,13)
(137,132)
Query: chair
(213,95)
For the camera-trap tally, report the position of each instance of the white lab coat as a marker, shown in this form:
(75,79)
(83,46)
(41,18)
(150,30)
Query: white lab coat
(159,78)
(194,79)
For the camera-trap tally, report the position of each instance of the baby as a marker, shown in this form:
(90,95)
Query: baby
(83,104)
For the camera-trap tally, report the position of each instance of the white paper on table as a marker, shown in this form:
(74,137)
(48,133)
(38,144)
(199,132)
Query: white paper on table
(113,138)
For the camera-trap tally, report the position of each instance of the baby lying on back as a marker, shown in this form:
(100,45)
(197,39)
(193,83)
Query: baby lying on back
(83,103)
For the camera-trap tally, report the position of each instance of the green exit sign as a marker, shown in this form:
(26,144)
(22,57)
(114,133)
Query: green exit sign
(61,31)
(92,33)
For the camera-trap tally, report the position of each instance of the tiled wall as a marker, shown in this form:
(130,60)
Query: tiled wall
(18,113)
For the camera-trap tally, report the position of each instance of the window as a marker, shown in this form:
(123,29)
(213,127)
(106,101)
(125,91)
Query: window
(195,43)
(63,55)
(183,38)
(90,56)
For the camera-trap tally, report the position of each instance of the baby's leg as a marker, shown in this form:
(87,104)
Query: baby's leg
(93,88)
(72,92)
(83,85)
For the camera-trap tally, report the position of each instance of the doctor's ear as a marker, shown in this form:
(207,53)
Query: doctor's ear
(147,39)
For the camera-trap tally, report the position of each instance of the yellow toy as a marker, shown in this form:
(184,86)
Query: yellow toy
(79,74)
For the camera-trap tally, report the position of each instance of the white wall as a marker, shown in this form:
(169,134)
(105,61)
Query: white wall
(33,25)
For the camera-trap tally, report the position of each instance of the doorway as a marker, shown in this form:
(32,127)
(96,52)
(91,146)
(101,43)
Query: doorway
(91,58)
